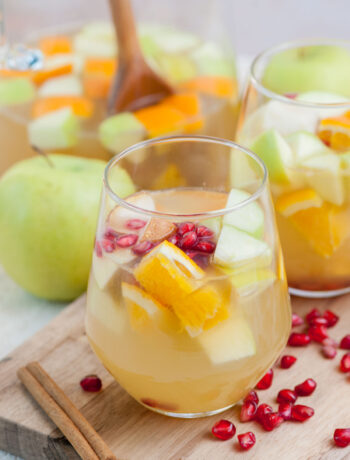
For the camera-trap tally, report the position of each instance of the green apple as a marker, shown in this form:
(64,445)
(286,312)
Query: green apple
(176,67)
(47,222)
(276,153)
(324,174)
(96,39)
(67,85)
(62,59)
(306,145)
(169,39)
(16,91)
(249,217)
(54,130)
(210,60)
(250,281)
(309,68)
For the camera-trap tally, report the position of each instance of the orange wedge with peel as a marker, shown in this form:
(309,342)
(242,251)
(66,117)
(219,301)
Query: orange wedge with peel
(335,132)
(81,106)
(290,203)
(55,45)
(213,85)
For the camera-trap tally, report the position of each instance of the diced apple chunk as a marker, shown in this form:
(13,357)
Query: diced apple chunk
(103,270)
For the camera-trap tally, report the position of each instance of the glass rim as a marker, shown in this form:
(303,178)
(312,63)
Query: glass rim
(290,45)
(181,138)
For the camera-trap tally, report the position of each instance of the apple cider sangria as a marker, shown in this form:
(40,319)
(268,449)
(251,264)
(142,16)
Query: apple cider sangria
(187,302)
(296,118)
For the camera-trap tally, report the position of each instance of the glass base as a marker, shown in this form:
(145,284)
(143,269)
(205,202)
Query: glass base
(187,414)
(318,294)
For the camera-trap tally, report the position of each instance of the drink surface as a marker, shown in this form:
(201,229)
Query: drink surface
(181,333)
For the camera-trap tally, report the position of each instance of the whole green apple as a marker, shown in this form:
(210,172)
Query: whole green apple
(48,219)
(309,68)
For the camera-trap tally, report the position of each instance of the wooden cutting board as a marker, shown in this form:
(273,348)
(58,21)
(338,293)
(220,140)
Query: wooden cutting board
(135,433)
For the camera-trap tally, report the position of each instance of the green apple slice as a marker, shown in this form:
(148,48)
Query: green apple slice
(229,340)
(103,269)
(235,248)
(249,218)
(276,153)
(210,60)
(62,59)
(67,85)
(306,145)
(96,40)
(250,281)
(324,174)
(176,67)
(118,132)
(169,39)
(16,91)
(119,215)
(55,130)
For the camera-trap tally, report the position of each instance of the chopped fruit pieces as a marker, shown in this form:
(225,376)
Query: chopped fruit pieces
(345,342)
(285,410)
(246,440)
(342,437)
(189,104)
(158,230)
(80,106)
(248,411)
(252,396)
(266,381)
(224,429)
(271,420)
(120,215)
(297,320)
(15,91)
(262,410)
(335,132)
(66,85)
(213,85)
(318,333)
(142,248)
(305,145)
(40,76)
(55,45)
(161,119)
(287,396)
(103,269)
(298,340)
(345,363)
(290,203)
(98,76)
(250,281)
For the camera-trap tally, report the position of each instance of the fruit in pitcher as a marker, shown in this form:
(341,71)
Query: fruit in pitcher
(305,145)
(335,132)
(15,91)
(210,60)
(66,85)
(81,106)
(290,203)
(250,281)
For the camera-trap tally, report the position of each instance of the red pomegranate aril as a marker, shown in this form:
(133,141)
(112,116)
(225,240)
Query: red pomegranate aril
(203,231)
(306,388)
(329,352)
(223,429)
(287,396)
(318,333)
(206,246)
(98,249)
(91,383)
(345,342)
(345,363)
(330,342)
(248,411)
(285,410)
(299,339)
(319,322)
(271,421)
(262,410)
(135,224)
(266,381)
(252,396)
(108,245)
(126,241)
(185,227)
(246,440)
(287,361)
(341,437)
(301,413)
(142,248)
(297,320)
(111,234)
(174,239)
(314,313)
(188,240)
(331,318)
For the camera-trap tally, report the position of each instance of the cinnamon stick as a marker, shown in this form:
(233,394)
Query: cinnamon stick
(60,409)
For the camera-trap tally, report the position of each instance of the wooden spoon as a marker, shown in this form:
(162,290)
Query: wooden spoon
(135,84)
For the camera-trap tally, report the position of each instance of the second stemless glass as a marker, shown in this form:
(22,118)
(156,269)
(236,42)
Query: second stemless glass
(187,300)
(300,126)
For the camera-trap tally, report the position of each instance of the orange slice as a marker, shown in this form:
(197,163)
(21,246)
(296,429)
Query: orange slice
(38,76)
(215,86)
(55,45)
(189,104)
(81,106)
(97,77)
(161,119)
(335,132)
(290,203)
(172,278)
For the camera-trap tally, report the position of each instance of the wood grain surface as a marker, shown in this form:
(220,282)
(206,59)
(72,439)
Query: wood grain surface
(135,433)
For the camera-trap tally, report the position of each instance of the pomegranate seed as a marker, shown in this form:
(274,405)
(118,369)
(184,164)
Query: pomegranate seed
(188,240)
(223,429)
(252,396)
(108,245)
(125,241)
(331,318)
(135,224)
(306,388)
(315,313)
(185,227)
(318,333)
(98,249)
(246,440)
(297,320)
(329,352)
(266,381)
(174,239)
(111,234)
(287,396)
(330,342)
(301,413)
(298,340)
(206,246)
(345,342)
(142,248)
(262,410)
(345,363)
(271,421)
(319,322)
(203,231)
(201,259)
(248,411)
(341,437)
(91,383)
(285,410)
(287,361)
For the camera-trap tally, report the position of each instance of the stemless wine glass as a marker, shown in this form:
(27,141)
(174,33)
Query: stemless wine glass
(295,116)
(187,303)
